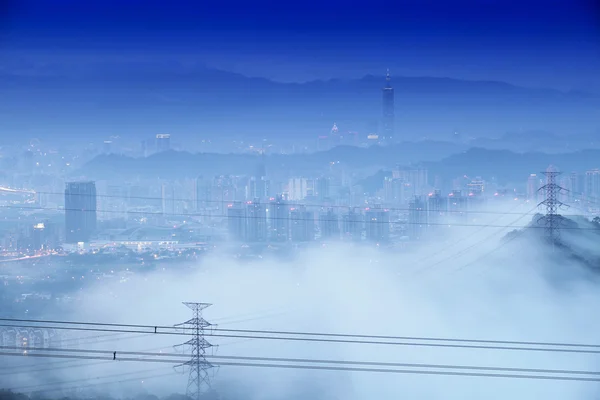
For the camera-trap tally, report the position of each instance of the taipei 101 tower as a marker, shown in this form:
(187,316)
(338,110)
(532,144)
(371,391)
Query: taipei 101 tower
(388,110)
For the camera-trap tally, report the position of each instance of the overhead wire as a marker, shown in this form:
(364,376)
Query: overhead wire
(339,338)
(311,333)
(467,249)
(286,203)
(228,216)
(109,354)
(524,375)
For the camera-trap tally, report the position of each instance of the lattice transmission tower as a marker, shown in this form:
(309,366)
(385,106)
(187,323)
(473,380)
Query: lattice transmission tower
(199,367)
(552,220)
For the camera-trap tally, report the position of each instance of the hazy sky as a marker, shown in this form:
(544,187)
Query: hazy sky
(528,42)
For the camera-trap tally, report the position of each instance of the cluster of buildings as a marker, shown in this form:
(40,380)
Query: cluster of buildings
(277,208)
(280,207)
(277,221)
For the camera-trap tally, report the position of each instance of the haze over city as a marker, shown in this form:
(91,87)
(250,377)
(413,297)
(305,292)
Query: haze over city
(279,201)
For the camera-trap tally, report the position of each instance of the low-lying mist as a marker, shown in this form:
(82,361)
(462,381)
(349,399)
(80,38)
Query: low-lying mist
(475,285)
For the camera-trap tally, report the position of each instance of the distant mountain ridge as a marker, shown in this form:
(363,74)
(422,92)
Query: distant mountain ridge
(173,164)
(444,160)
(141,99)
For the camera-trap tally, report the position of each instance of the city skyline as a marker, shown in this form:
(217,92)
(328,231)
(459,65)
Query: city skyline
(384,199)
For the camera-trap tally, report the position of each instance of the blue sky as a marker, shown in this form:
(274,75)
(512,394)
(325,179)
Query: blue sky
(528,42)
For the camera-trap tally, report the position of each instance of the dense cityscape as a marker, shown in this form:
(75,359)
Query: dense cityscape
(50,214)
(263,202)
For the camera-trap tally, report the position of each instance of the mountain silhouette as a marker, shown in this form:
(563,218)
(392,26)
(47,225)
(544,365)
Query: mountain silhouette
(141,99)
(443,160)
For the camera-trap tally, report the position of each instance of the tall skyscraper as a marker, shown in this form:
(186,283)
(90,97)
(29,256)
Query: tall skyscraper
(323,188)
(417,178)
(417,218)
(80,211)
(167,199)
(298,189)
(256,221)
(592,185)
(203,194)
(397,191)
(280,219)
(533,185)
(236,221)
(458,206)
(302,224)
(352,223)
(436,207)
(377,224)
(329,225)
(388,110)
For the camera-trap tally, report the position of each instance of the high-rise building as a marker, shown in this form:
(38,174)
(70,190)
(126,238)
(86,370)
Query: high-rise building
(377,224)
(388,110)
(476,186)
(80,211)
(458,206)
(298,189)
(417,178)
(533,186)
(257,188)
(167,199)
(329,225)
(280,219)
(352,224)
(323,188)
(436,208)
(236,221)
(163,142)
(203,195)
(592,185)
(256,221)
(302,224)
(417,218)
(396,191)
(573,184)
(261,169)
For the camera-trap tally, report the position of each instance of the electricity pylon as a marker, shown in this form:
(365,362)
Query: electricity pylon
(552,219)
(199,378)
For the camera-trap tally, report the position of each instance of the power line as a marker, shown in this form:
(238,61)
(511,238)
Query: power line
(305,333)
(121,336)
(383,340)
(108,354)
(466,250)
(290,204)
(14,370)
(159,213)
(348,369)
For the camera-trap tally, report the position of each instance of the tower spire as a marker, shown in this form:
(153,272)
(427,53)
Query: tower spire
(387,132)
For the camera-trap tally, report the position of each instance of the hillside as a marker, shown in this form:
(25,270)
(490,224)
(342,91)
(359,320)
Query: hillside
(442,159)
